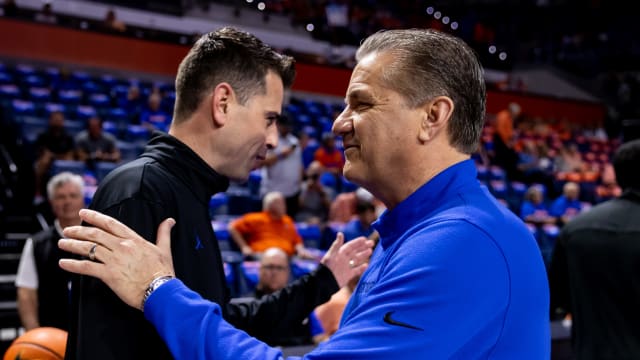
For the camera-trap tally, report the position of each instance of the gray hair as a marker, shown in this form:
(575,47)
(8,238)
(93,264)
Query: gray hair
(61,179)
(429,63)
(274,252)
(269,198)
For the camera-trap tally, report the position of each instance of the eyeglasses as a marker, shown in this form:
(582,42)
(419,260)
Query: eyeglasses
(274,267)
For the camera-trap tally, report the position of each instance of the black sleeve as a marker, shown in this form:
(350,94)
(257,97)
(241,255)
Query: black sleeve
(102,326)
(560,303)
(285,308)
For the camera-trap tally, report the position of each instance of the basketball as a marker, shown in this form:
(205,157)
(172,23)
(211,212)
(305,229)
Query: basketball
(45,343)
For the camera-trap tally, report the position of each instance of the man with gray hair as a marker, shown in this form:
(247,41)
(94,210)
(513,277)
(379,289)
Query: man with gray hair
(39,276)
(272,227)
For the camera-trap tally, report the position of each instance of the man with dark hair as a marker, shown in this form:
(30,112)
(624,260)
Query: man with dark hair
(94,145)
(229,92)
(595,267)
(455,275)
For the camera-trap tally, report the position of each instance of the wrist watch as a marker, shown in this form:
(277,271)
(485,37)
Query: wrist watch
(155,283)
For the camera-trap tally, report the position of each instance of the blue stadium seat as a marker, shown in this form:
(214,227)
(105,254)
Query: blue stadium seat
(5,78)
(118,116)
(103,168)
(309,151)
(21,107)
(218,204)
(101,102)
(9,91)
(325,123)
(497,173)
(51,107)
(483,172)
(137,133)
(74,127)
(69,97)
(119,91)
(310,233)
(89,191)
(301,267)
(42,94)
(229,275)
(80,76)
(34,80)
(31,127)
(128,150)
(24,70)
(91,87)
(76,167)
(84,112)
(111,128)
(499,188)
(220,228)
(250,272)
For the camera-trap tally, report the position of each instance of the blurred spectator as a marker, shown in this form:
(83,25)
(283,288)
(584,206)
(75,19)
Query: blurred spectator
(64,81)
(132,104)
(53,144)
(594,272)
(272,227)
(569,159)
(329,156)
(95,145)
(43,288)
(153,116)
(111,23)
(315,198)
(361,225)
(329,314)
(9,8)
(282,170)
(505,154)
(533,209)
(608,187)
(46,15)
(343,207)
(567,205)
(273,276)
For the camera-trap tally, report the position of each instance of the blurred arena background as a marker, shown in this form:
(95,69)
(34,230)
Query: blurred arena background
(571,66)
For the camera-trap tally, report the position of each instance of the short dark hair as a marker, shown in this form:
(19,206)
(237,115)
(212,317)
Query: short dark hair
(431,63)
(227,55)
(626,162)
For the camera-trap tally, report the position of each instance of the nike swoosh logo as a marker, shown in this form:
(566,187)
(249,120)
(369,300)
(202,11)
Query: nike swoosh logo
(387,318)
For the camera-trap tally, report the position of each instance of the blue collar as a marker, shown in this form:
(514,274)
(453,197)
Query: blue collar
(423,202)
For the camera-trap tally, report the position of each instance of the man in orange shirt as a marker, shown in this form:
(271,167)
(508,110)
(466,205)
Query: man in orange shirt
(272,227)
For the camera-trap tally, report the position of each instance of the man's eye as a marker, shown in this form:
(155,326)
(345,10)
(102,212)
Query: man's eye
(271,120)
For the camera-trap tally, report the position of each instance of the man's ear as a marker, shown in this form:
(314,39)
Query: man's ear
(436,115)
(222,97)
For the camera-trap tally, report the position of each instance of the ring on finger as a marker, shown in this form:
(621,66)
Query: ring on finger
(92,252)
(352,263)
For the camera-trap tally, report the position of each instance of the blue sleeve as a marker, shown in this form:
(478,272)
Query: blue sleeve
(193,328)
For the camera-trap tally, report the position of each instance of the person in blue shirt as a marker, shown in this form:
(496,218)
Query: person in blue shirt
(455,275)
(567,205)
(362,224)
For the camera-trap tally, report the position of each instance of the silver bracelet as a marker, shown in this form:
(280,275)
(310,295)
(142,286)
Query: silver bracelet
(155,283)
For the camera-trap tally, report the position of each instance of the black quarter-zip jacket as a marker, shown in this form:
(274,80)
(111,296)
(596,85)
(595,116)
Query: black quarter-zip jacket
(170,180)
